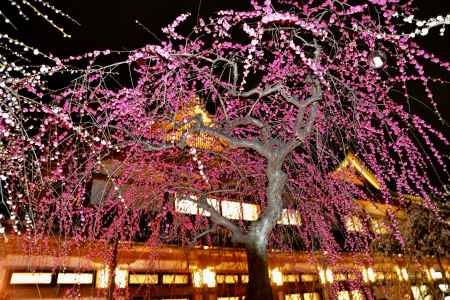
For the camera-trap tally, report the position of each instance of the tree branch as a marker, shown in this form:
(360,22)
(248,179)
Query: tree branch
(265,130)
(258,91)
(218,219)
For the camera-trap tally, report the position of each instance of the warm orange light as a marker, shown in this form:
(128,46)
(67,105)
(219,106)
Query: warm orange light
(277,276)
(354,224)
(369,275)
(175,279)
(290,217)
(143,278)
(196,140)
(121,278)
(209,278)
(326,275)
(31,278)
(74,278)
(204,277)
(102,280)
(435,274)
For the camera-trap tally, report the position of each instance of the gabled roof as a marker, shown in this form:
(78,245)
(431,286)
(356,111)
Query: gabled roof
(353,170)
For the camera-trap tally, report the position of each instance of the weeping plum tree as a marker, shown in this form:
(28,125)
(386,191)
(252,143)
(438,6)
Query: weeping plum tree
(294,86)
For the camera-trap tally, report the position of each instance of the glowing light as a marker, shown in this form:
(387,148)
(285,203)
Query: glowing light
(244,278)
(353,223)
(404,273)
(292,297)
(175,279)
(369,275)
(121,278)
(399,273)
(343,295)
(231,210)
(311,296)
(102,278)
(143,278)
(204,277)
(209,278)
(377,62)
(277,277)
(435,274)
(228,279)
(199,140)
(291,278)
(323,279)
(250,212)
(309,277)
(356,295)
(329,275)
(290,217)
(31,278)
(74,278)
(443,287)
(197,279)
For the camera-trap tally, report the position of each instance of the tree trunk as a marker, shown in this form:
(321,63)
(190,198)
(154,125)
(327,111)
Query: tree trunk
(258,287)
(112,267)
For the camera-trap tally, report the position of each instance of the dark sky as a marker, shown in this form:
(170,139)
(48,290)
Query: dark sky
(110,24)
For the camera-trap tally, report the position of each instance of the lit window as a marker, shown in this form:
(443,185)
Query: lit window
(227,279)
(435,274)
(443,287)
(143,279)
(404,273)
(250,212)
(309,277)
(186,206)
(389,276)
(277,276)
(175,279)
(102,278)
(311,296)
(197,279)
(121,278)
(227,298)
(340,277)
(343,295)
(231,209)
(369,275)
(292,297)
(74,278)
(306,296)
(356,295)
(31,278)
(214,203)
(379,276)
(379,227)
(291,278)
(244,278)
(421,293)
(290,217)
(326,275)
(209,278)
(353,224)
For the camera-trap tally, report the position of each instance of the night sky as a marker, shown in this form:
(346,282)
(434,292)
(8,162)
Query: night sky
(110,24)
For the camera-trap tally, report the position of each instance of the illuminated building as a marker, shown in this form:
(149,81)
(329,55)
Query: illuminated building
(170,272)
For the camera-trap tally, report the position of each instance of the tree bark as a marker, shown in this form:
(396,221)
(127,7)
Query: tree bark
(258,287)
(112,268)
